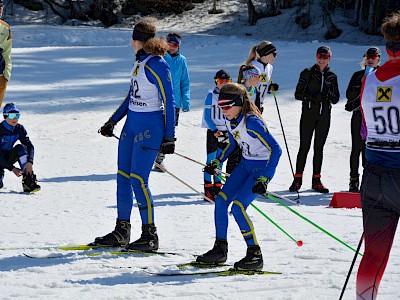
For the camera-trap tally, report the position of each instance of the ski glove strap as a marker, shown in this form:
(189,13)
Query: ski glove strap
(261,186)
(168,146)
(108,128)
(212,166)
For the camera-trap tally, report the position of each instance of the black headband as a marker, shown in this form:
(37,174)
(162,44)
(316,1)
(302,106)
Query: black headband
(268,49)
(235,99)
(393,46)
(141,36)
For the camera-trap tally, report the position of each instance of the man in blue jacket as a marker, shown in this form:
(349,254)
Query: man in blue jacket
(180,81)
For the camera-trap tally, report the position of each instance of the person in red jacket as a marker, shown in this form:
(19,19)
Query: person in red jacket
(380,185)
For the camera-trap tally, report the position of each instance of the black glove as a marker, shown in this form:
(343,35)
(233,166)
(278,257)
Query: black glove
(261,186)
(108,128)
(212,166)
(273,86)
(168,146)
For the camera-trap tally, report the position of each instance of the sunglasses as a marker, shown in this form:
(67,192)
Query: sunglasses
(13,115)
(372,56)
(173,45)
(222,81)
(274,54)
(226,106)
(323,56)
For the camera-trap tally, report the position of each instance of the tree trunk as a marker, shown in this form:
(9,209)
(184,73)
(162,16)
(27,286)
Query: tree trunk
(371,29)
(333,31)
(253,15)
(286,4)
(356,13)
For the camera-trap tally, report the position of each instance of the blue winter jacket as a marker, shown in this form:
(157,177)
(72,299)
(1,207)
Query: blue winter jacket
(9,135)
(180,80)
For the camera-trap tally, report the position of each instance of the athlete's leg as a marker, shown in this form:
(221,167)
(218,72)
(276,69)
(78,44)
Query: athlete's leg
(225,197)
(149,132)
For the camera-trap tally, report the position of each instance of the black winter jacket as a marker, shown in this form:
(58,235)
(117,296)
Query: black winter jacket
(318,90)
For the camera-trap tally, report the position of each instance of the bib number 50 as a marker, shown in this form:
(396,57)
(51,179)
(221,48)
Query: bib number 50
(388,120)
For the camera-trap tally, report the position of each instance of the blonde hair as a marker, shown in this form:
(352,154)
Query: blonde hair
(154,45)
(253,55)
(248,106)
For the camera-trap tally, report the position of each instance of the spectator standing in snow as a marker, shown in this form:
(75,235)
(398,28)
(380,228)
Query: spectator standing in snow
(318,89)
(180,81)
(5,54)
(369,63)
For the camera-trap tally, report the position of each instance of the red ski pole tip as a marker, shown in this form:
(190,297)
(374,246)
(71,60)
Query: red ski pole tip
(299,243)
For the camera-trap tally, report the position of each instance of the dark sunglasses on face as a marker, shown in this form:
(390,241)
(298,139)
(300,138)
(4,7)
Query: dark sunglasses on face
(13,115)
(274,54)
(372,56)
(323,56)
(173,45)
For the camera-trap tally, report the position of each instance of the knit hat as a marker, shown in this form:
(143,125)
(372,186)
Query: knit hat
(324,50)
(9,108)
(222,74)
(253,72)
(173,38)
(267,49)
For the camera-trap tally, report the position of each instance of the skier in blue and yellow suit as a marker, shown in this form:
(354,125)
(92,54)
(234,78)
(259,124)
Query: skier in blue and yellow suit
(149,126)
(260,156)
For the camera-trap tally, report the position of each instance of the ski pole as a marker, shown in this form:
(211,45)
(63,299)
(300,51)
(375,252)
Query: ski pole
(227,175)
(284,135)
(312,223)
(298,243)
(199,163)
(181,181)
(351,266)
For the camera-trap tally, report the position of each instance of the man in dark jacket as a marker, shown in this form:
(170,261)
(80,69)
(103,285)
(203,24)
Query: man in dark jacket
(318,89)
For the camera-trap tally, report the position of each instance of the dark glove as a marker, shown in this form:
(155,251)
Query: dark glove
(261,186)
(212,166)
(168,146)
(273,86)
(108,128)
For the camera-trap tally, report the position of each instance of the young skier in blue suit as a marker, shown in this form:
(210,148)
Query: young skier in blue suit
(260,156)
(150,124)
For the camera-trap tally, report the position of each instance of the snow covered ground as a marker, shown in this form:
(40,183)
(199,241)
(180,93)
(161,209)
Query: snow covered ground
(67,81)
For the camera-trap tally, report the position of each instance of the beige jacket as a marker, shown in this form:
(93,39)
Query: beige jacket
(5,49)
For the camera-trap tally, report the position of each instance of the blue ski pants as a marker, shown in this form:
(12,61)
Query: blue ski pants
(142,133)
(237,190)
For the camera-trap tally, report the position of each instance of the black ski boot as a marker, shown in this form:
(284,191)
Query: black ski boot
(252,261)
(119,237)
(354,185)
(217,255)
(209,191)
(29,183)
(148,241)
(317,184)
(297,182)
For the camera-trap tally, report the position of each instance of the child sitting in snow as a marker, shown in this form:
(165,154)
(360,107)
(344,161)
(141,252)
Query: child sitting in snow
(10,133)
